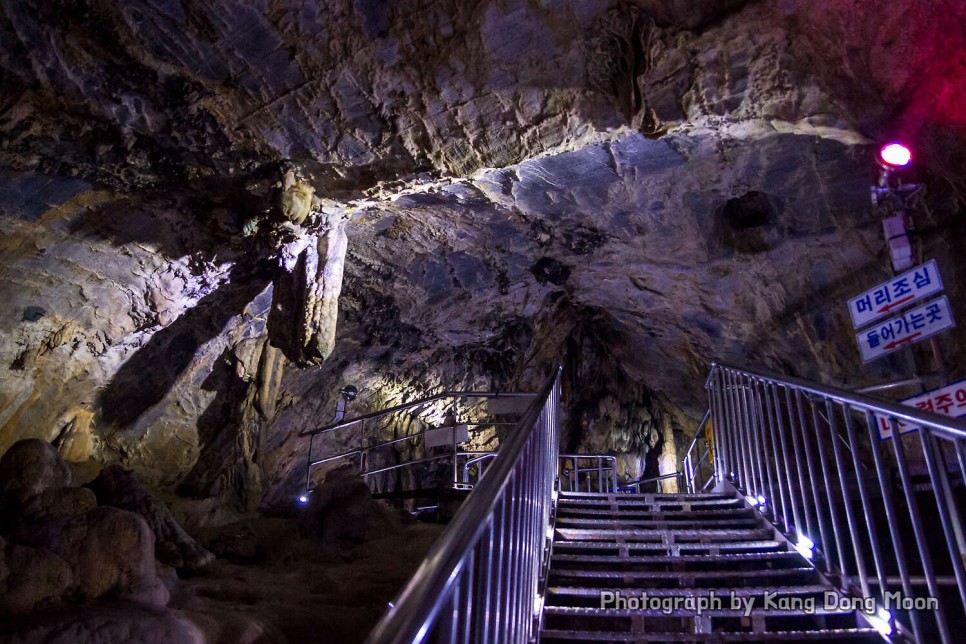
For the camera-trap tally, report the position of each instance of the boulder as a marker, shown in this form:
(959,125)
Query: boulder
(343,510)
(118,487)
(30,577)
(238,544)
(57,502)
(110,552)
(115,622)
(29,468)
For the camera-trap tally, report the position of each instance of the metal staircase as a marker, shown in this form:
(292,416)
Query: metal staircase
(836,530)
(683,567)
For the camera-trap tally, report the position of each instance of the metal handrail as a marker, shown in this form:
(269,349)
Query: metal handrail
(415,403)
(691,470)
(362,451)
(654,479)
(481,580)
(775,445)
(606,474)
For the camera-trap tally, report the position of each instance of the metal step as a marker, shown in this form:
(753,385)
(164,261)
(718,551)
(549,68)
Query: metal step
(639,613)
(788,557)
(688,577)
(675,548)
(629,501)
(668,515)
(756,591)
(646,495)
(786,637)
(672,525)
(769,545)
(671,535)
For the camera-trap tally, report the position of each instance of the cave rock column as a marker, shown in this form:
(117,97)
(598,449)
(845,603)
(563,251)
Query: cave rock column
(305,295)
(668,458)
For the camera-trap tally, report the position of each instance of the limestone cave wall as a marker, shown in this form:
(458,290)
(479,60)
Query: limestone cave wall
(215,215)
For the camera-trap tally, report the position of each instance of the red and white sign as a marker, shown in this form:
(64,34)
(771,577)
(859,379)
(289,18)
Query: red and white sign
(886,298)
(946,401)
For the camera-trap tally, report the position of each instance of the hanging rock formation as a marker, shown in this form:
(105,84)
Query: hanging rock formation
(305,295)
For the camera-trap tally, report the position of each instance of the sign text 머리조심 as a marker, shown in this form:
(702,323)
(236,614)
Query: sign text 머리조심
(912,286)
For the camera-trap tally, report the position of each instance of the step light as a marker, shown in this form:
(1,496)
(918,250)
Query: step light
(805,546)
(881,621)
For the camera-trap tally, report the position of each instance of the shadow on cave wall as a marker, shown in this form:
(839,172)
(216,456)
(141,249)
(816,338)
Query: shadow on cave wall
(227,438)
(204,220)
(149,374)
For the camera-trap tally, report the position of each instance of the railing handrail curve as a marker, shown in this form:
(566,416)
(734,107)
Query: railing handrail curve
(953,427)
(418,603)
(415,403)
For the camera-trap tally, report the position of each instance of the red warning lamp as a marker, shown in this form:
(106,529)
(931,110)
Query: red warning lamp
(894,156)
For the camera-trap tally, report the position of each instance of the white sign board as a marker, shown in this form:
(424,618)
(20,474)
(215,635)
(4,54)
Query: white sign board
(911,286)
(444,435)
(912,326)
(946,401)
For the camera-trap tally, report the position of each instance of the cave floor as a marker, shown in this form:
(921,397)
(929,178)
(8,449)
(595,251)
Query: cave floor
(296,590)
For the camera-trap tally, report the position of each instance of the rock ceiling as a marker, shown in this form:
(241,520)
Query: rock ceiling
(653,184)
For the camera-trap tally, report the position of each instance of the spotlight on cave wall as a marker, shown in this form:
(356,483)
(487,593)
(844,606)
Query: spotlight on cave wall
(348,394)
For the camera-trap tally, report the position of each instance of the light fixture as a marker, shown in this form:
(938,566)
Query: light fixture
(303,499)
(894,156)
(881,621)
(805,546)
(348,394)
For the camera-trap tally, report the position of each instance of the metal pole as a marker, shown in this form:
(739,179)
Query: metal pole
(797,448)
(885,487)
(866,505)
(847,501)
(946,504)
(782,508)
(813,476)
(789,473)
(754,457)
(308,465)
(917,529)
(839,548)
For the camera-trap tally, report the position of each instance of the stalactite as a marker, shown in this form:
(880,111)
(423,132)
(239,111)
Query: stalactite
(305,297)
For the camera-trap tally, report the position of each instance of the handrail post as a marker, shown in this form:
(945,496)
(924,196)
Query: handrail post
(492,550)
(751,438)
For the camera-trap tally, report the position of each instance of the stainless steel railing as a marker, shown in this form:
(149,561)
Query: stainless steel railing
(691,471)
(356,428)
(593,472)
(483,579)
(690,478)
(884,523)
